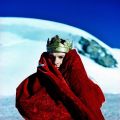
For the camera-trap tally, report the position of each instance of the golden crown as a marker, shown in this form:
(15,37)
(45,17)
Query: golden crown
(57,44)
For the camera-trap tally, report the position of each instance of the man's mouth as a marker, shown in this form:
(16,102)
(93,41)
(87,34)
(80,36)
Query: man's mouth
(57,67)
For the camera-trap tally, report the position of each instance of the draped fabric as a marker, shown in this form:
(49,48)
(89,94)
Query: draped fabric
(64,94)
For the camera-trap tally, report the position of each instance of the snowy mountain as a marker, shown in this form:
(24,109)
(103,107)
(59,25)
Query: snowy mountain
(22,41)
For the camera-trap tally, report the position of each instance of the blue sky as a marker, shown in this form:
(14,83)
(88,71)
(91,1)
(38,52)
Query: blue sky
(101,18)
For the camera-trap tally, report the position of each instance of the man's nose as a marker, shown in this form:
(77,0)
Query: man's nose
(56,61)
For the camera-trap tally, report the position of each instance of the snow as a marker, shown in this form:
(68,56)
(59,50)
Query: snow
(19,55)
(110,108)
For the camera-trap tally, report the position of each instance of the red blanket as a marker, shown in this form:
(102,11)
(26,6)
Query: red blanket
(64,94)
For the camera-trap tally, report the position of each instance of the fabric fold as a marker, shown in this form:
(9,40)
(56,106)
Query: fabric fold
(64,94)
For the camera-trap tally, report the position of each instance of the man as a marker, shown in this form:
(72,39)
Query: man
(60,89)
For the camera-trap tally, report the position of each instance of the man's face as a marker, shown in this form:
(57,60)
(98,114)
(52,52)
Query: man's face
(57,58)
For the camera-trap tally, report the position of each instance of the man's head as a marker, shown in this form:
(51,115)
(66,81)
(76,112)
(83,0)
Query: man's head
(57,49)
(57,58)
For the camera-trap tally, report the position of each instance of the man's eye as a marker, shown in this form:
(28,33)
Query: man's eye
(61,57)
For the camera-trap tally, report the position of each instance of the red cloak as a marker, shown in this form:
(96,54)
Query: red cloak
(64,94)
